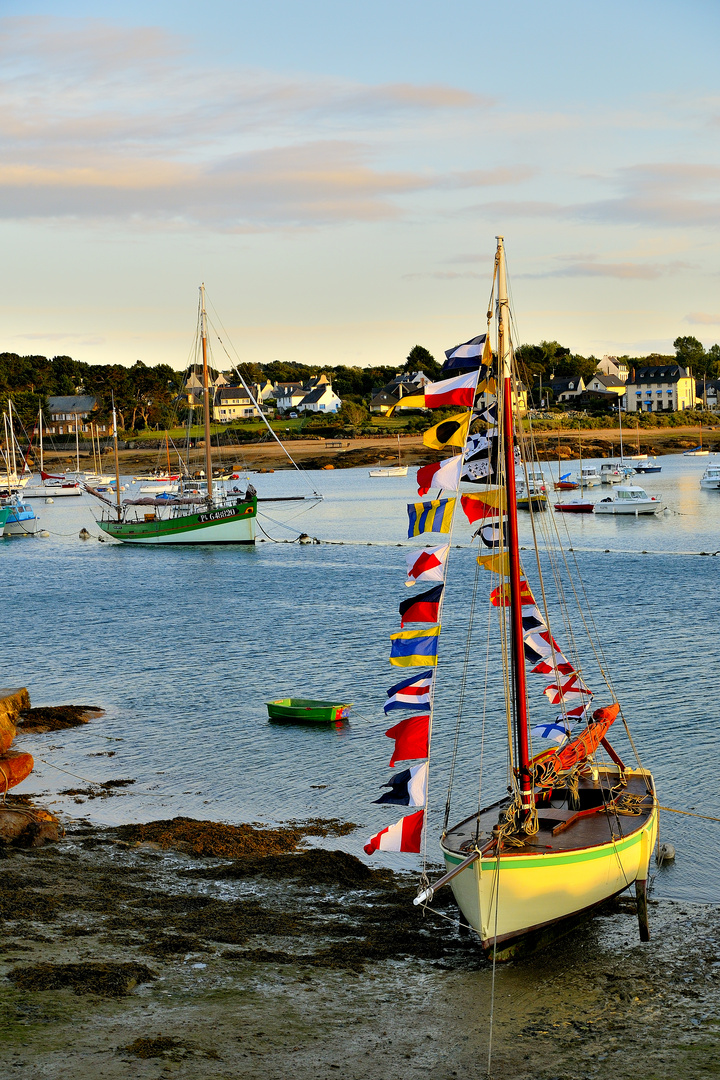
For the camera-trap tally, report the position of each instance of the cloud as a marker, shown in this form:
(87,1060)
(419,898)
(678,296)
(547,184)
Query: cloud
(655,195)
(702,318)
(592,266)
(99,121)
(447,275)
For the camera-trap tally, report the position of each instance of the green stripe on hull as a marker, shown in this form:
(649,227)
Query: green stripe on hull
(523,862)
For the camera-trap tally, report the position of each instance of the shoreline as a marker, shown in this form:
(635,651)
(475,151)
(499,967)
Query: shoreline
(382,450)
(306,964)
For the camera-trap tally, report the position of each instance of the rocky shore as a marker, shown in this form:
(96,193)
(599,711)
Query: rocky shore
(196,950)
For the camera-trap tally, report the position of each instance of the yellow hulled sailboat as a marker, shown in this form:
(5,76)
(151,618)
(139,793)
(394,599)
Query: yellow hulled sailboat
(577,825)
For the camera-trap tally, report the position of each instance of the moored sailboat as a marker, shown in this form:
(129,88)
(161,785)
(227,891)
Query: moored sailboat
(211,516)
(577,825)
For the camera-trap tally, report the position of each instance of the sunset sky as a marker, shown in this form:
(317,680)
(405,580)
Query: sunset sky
(336,171)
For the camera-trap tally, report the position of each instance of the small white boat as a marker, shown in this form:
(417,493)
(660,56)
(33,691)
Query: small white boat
(588,476)
(610,473)
(711,477)
(53,491)
(168,488)
(629,499)
(697,452)
(391,470)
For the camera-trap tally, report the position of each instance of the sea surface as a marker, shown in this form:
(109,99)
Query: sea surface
(183,646)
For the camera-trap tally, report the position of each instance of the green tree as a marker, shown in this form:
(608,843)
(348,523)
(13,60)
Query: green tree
(351,415)
(690,353)
(420,359)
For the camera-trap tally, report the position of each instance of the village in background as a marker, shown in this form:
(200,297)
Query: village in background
(556,384)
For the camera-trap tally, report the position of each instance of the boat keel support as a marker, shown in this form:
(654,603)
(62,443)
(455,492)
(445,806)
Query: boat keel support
(642,911)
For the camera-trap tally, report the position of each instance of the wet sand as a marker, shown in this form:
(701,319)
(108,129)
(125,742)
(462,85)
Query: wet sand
(382,450)
(285,960)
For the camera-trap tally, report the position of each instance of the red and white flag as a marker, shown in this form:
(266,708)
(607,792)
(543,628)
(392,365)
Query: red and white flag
(440,474)
(404,835)
(426,565)
(559,693)
(457,391)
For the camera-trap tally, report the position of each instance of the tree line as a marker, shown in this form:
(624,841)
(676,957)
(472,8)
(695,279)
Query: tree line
(150,396)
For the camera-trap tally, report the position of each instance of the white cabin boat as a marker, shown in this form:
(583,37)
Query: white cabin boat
(711,477)
(611,473)
(589,476)
(629,499)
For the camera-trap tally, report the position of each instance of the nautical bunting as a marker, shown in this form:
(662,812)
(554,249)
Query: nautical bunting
(465,356)
(479,507)
(426,565)
(408,788)
(457,391)
(500,596)
(554,732)
(489,416)
(434,516)
(491,535)
(411,739)
(558,665)
(415,648)
(539,645)
(451,432)
(405,835)
(412,693)
(440,474)
(557,694)
(478,472)
(422,608)
(496,564)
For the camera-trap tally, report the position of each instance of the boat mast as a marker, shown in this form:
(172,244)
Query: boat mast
(206,392)
(622,460)
(513,542)
(42,460)
(12,441)
(77,445)
(117,464)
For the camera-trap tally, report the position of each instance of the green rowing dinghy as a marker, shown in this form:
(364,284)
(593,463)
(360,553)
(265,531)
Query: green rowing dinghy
(293,710)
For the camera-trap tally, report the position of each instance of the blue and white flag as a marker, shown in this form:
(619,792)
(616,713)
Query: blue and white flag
(412,693)
(466,356)
(554,732)
(407,788)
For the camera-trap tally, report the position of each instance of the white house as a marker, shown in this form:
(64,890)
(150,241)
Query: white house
(321,399)
(566,388)
(288,395)
(610,365)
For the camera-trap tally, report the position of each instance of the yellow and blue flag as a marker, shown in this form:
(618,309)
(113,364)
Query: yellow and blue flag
(415,648)
(433,516)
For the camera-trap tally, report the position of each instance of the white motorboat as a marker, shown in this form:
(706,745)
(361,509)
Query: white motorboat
(21,519)
(391,470)
(589,476)
(711,477)
(629,499)
(610,473)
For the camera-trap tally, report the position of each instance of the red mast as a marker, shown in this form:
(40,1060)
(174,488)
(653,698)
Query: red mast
(516,626)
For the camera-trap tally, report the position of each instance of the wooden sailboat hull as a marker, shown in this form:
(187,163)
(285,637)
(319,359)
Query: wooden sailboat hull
(222,525)
(526,898)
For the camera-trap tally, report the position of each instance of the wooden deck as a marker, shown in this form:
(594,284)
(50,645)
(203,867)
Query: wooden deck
(562,828)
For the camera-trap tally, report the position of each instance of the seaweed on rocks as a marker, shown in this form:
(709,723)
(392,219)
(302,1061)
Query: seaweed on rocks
(56,718)
(230,841)
(315,865)
(93,977)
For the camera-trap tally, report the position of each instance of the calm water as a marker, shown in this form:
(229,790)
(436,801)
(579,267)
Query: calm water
(182,647)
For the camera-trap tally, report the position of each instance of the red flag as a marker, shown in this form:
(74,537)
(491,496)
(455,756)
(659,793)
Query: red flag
(404,835)
(500,597)
(411,738)
(475,508)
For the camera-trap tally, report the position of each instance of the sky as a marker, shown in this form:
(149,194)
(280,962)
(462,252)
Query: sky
(336,172)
